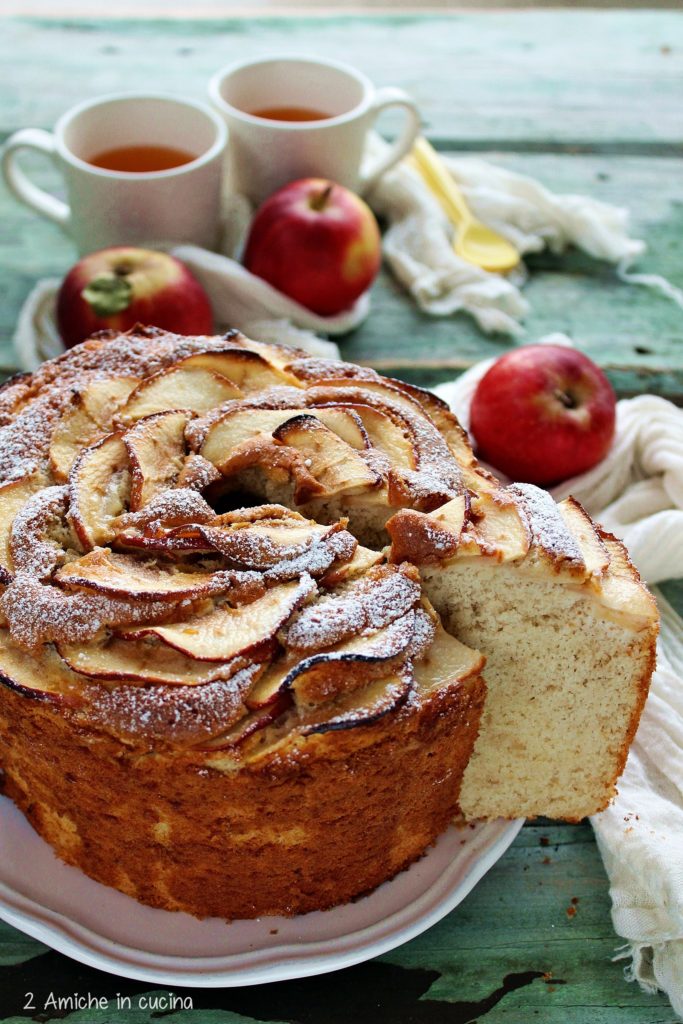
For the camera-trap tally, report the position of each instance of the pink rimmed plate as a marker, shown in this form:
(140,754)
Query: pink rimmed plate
(101,927)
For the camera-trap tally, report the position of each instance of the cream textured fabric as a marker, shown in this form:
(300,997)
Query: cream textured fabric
(417,243)
(637,493)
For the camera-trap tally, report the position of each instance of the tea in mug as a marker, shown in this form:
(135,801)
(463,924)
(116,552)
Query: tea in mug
(291,114)
(137,159)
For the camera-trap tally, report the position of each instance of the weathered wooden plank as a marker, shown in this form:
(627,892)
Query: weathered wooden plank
(636,334)
(539,921)
(557,77)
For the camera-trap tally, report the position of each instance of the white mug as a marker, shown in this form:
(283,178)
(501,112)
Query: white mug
(267,152)
(110,207)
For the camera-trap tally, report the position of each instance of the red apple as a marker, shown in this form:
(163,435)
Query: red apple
(316,242)
(119,287)
(543,413)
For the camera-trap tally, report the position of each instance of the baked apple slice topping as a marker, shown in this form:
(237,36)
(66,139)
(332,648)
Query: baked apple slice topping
(363,706)
(86,419)
(122,575)
(227,632)
(39,674)
(99,489)
(436,477)
(156,449)
(41,535)
(144,661)
(425,538)
(337,467)
(39,614)
(183,386)
(347,569)
(13,498)
(238,424)
(445,660)
(346,424)
(197,473)
(351,665)
(249,370)
(178,715)
(382,595)
(335,546)
(347,666)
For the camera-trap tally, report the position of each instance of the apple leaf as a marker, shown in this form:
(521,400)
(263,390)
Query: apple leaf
(108,294)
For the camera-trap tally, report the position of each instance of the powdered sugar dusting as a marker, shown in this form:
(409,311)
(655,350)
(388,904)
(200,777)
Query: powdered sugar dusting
(367,604)
(548,528)
(181,714)
(184,560)
(33,551)
(38,614)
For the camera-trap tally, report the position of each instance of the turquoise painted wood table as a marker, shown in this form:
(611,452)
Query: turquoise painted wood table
(586,101)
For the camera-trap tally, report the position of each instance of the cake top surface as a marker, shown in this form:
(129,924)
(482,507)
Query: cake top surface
(151,586)
(192,545)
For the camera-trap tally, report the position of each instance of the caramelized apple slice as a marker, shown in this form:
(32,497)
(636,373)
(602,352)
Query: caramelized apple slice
(338,545)
(374,601)
(254,722)
(445,661)
(333,463)
(249,370)
(39,673)
(182,386)
(144,661)
(497,528)
(361,707)
(87,418)
(362,560)
(156,448)
(261,544)
(351,665)
(13,497)
(390,434)
(40,534)
(441,415)
(581,527)
(185,717)
(346,424)
(99,489)
(237,425)
(226,632)
(345,667)
(437,476)
(197,473)
(424,538)
(124,575)
(174,508)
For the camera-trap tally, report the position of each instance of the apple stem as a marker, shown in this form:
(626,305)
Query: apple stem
(320,200)
(123,269)
(565,398)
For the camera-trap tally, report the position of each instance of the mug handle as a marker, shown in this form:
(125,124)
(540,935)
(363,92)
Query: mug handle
(21,185)
(393,97)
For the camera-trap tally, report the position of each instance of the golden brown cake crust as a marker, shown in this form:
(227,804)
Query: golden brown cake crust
(328,822)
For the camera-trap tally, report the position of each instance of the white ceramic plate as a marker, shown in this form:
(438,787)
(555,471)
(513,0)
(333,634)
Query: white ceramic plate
(98,926)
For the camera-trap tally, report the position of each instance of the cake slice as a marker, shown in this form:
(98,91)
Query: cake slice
(569,635)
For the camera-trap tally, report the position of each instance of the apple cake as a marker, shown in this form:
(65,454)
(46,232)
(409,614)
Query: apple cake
(243,598)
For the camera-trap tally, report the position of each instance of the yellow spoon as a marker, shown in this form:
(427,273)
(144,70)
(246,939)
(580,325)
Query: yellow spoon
(474,241)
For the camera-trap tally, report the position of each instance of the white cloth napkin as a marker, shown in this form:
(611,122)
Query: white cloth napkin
(637,493)
(418,242)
